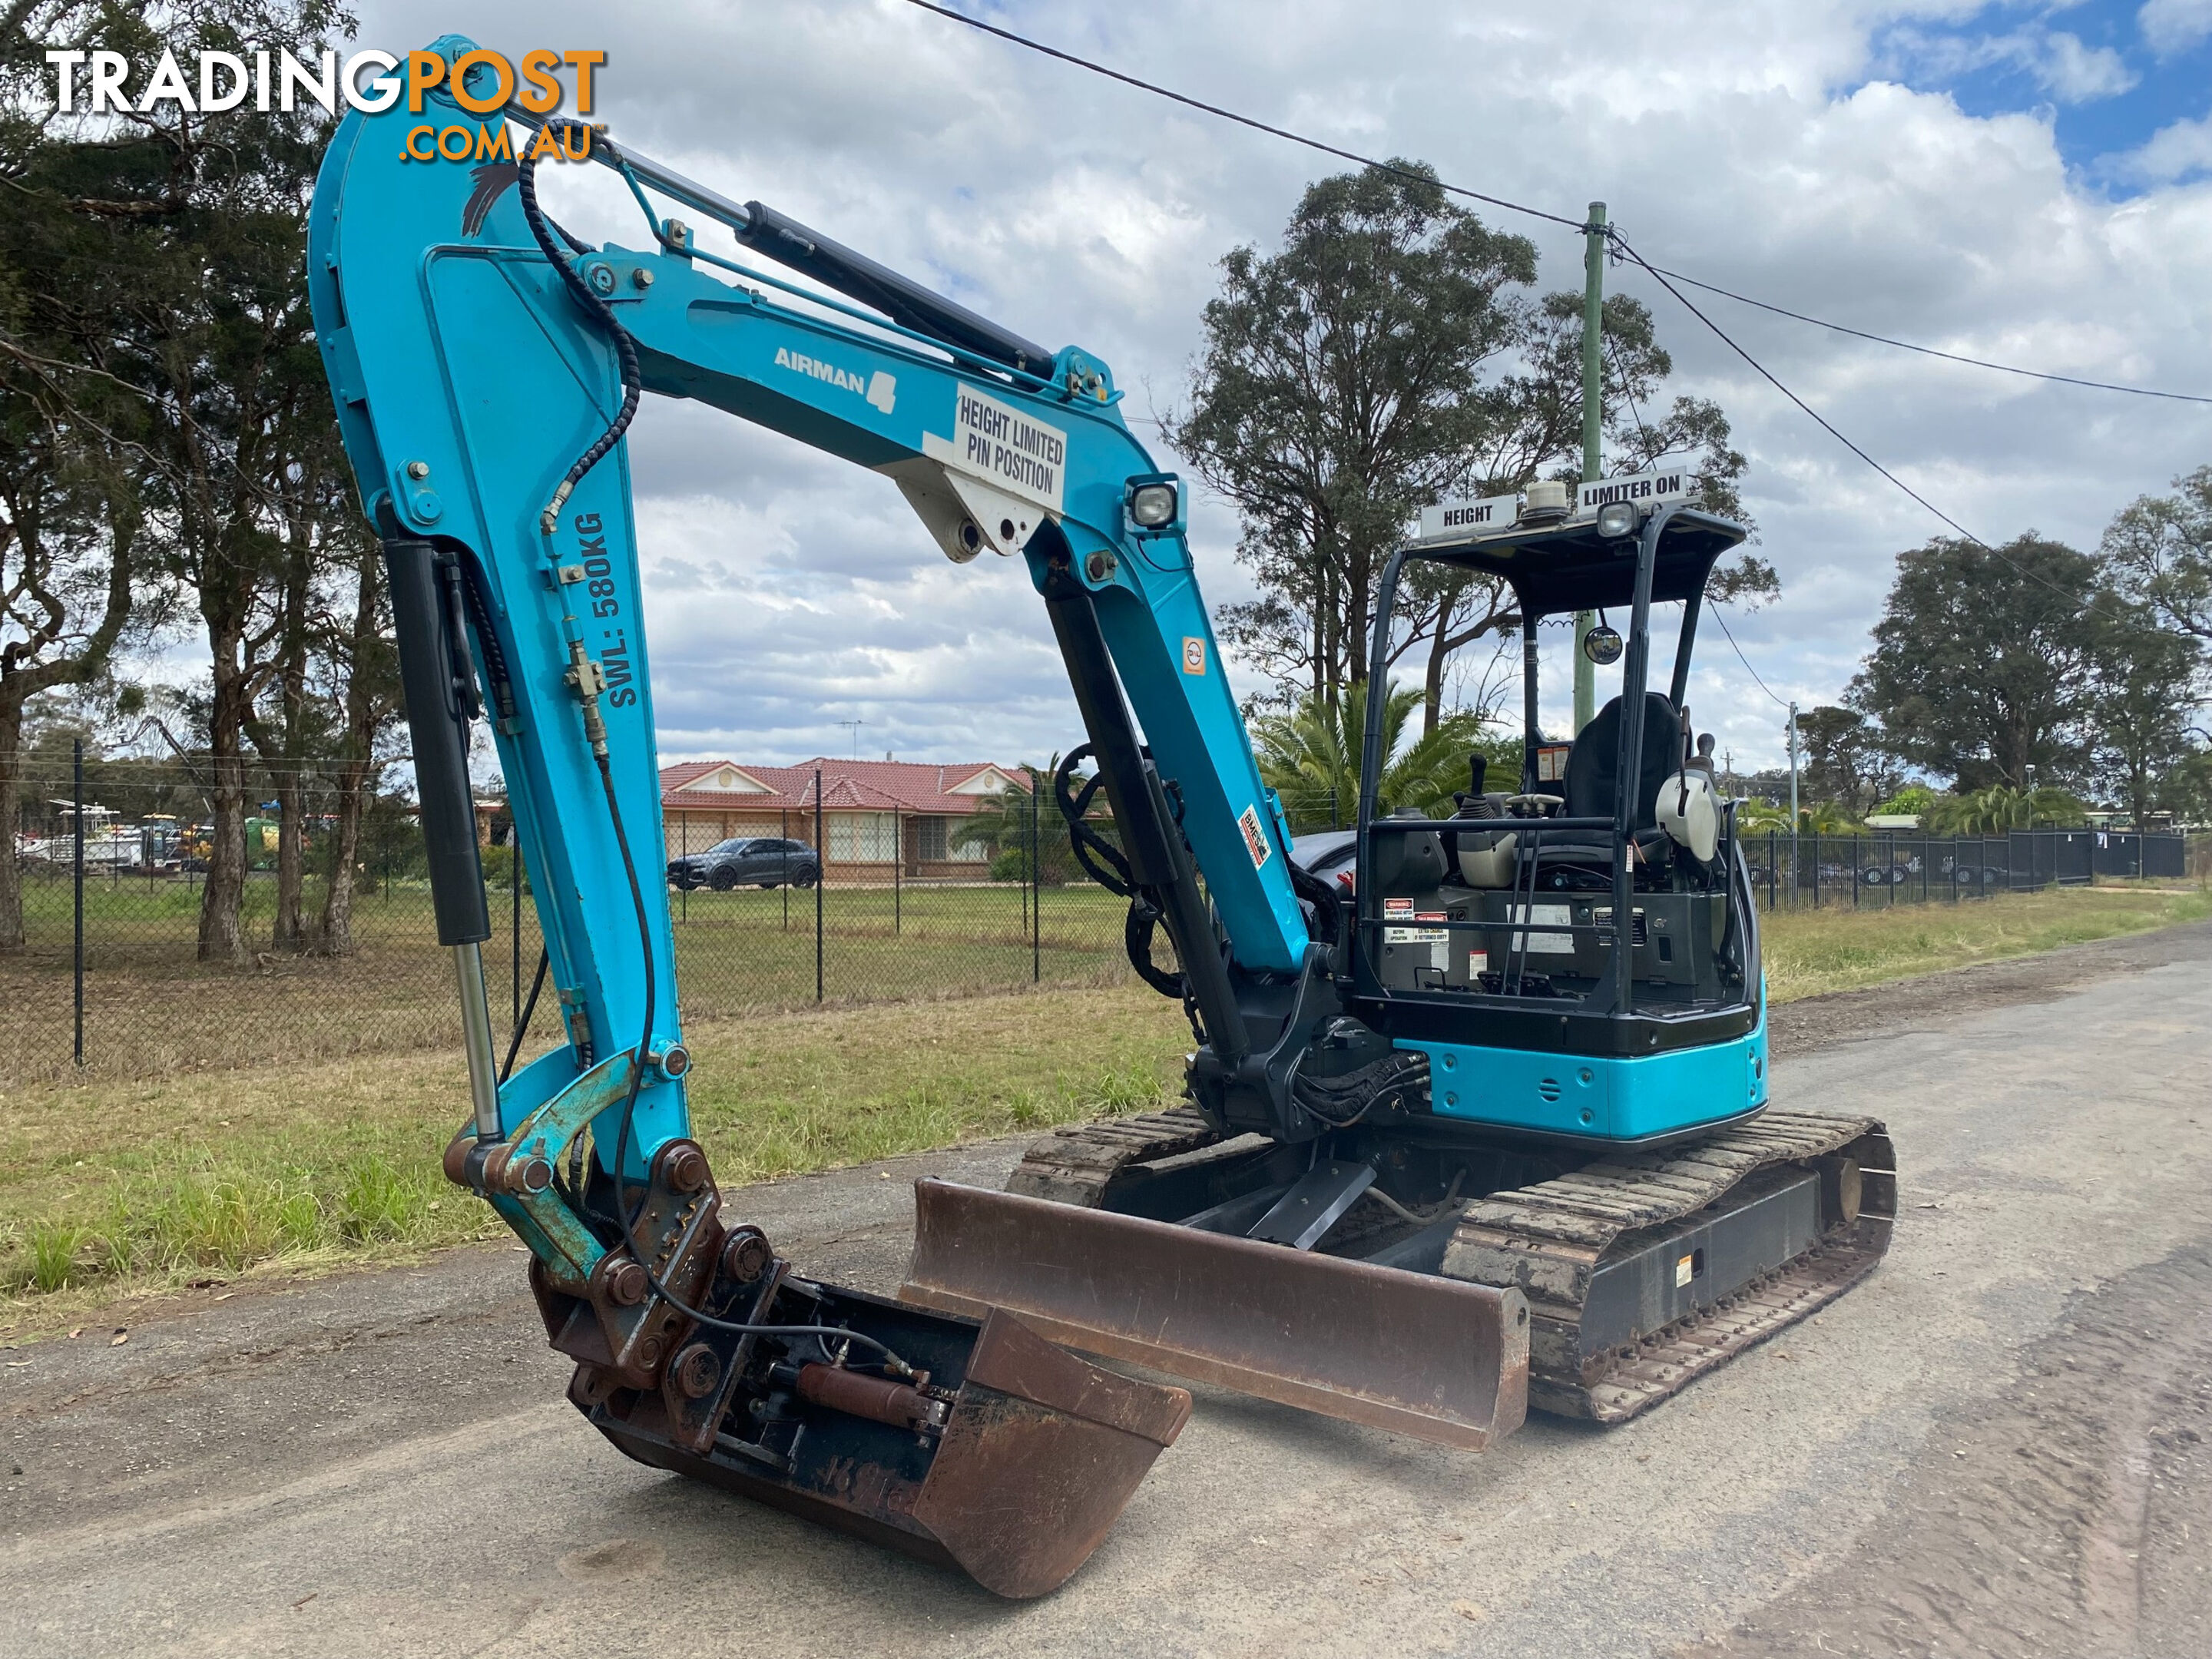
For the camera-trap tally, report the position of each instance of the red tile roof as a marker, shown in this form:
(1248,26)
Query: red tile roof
(847,785)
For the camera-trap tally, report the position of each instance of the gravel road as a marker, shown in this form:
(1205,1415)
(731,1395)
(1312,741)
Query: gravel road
(2001,1444)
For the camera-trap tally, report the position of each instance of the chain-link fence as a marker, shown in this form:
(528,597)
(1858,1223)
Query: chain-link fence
(1862,872)
(109,979)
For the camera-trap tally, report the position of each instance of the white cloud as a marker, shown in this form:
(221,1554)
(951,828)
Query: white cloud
(2175,151)
(2171,26)
(2059,63)
(1732,138)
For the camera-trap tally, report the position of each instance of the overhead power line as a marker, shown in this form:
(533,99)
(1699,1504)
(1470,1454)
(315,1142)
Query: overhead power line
(1745,661)
(1829,427)
(1566,220)
(1039,47)
(1929,351)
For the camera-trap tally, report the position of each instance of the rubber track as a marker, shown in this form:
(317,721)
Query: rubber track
(1548,1240)
(1075,1165)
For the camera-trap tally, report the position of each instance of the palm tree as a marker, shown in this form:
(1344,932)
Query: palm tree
(2000,807)
(1007,823)
(1311,757)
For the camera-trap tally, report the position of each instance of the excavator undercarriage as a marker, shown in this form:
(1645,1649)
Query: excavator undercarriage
(1585,1287)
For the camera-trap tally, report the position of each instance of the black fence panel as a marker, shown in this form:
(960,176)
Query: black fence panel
(2152,857)
(1872,871)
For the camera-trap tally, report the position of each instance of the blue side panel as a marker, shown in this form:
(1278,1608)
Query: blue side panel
(1585,1095)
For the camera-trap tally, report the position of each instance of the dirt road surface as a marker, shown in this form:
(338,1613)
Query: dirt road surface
(2002,1444)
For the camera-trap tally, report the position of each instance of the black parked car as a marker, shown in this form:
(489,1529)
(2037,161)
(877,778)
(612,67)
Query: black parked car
(761,860)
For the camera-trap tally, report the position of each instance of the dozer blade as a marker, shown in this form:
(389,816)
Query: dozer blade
(1426,1356)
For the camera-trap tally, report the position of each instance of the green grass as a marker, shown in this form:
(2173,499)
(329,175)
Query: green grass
(114,1186)
(1812,952)
(134,1186)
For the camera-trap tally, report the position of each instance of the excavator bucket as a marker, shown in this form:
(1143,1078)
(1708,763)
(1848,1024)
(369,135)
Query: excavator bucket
(1426,1356)
(970,1442)
(1019,1483)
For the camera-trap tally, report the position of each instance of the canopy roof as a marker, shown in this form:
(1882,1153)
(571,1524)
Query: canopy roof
(1570,567)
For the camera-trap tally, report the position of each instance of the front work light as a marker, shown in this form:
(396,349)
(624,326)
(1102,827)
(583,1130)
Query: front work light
(1616,520)
(1153,504)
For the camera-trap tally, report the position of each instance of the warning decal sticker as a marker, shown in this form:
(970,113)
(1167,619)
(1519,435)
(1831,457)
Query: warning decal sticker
(1255,838)
(1004,447)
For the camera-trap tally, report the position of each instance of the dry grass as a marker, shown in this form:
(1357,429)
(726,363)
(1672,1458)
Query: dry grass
(116,1187)
(151,1011)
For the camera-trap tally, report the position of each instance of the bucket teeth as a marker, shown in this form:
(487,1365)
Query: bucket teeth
(971,1442)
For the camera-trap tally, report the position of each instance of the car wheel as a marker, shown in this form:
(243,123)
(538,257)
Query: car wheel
(722,880)
(804,878)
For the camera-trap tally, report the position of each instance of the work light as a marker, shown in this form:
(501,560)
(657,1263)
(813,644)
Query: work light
(1616,520)
(1153,503)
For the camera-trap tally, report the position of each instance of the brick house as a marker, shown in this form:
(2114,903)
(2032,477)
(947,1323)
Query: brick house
(872,811)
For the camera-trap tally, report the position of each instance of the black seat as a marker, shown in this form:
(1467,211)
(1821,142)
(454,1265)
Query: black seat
(1593,769)
(1594,763)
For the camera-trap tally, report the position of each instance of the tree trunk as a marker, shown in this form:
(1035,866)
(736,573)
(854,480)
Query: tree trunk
(286,755)
(11,876)
(356,770)
(289,933)
(1433,682)
(221,939)
(336,930)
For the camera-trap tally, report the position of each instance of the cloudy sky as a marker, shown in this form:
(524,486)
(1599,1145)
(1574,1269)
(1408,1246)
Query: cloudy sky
(2025,182)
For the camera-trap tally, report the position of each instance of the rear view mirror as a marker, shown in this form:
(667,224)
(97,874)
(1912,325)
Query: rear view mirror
(1602,646)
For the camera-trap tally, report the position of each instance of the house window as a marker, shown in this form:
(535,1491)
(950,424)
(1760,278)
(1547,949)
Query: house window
(929,840)
(864,837)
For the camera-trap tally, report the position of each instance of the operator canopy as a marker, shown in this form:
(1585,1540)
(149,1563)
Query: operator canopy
(1573,567)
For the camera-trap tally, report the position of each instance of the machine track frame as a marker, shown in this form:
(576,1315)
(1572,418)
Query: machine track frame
(1552,1239)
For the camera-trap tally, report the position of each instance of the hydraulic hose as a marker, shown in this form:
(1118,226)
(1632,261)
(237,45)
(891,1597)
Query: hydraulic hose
(625,349)
(638,1059)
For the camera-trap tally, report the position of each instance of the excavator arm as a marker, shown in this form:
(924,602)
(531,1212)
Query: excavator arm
(484,364)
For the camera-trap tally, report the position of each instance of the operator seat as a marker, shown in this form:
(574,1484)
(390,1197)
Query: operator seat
(1593,769)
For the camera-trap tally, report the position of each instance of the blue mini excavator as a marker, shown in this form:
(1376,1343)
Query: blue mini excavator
(1477,1110)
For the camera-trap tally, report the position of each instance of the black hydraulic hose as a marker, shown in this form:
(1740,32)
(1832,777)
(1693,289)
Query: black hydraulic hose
(530,1008)
(625,349)
(633,387)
